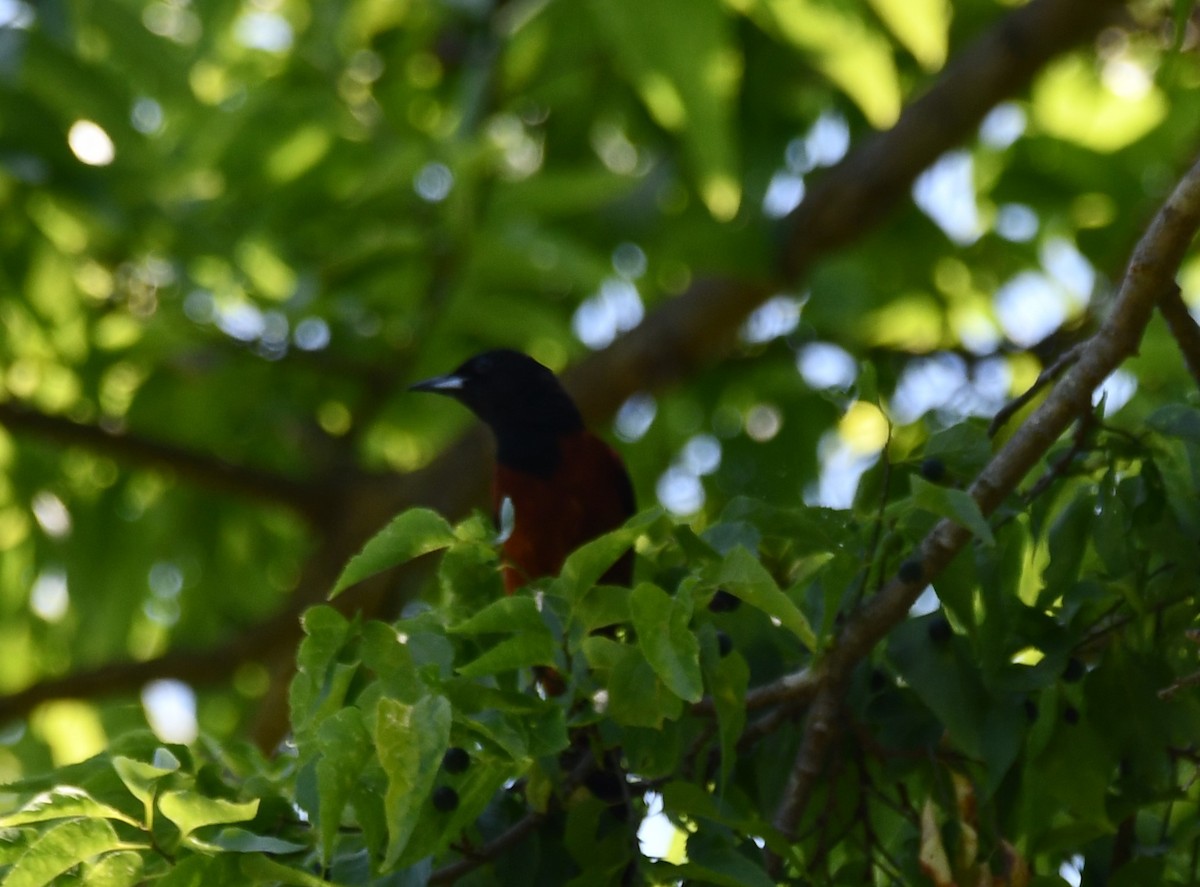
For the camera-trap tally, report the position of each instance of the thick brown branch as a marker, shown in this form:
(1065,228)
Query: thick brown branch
(205,471)
(1150,273)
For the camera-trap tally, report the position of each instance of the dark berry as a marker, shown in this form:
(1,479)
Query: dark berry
(445,798)
(724,644)
(456,760)
(933,469)
(911,572)
(1071,715)
(724,602)
(1074,671)
(940,630)
(1031,710)
(878,680)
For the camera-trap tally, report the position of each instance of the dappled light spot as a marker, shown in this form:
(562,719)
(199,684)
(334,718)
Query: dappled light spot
(629,260)
(90,143)
(784,194)
(826,142)
(520,150)
(680,491)
(1016,222)
(1115,391)
(615,309)
(16,14)
(864,428)
(1067,265)
(1101,109)
(701,454)
(946,193)
(165,579)
(824,365)
(775,317)
(1002,126)
(334,417)
(763,422)
(614,148)
(841,469)
(147,116)
(173,21)
(51,513)
(264,30)
(1028,656)
(1030,307)
(942,383)
(311,334)
(433,182)
(927,602)
(50,598)
(242,321)
(635,417)
(70,728)
(170,708)
(911,323)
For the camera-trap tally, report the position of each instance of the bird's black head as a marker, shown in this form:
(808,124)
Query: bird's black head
(519,399)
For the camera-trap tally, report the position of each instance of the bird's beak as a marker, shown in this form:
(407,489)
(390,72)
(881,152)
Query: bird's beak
(449,384)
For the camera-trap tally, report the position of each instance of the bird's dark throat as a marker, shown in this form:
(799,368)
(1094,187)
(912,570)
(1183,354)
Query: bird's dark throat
(534,453)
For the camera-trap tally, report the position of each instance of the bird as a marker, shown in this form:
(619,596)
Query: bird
(555,484)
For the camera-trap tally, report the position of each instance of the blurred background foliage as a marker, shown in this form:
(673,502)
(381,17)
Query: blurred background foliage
(232,231)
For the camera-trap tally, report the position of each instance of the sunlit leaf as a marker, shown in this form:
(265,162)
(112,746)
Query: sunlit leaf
(410,741)
(191,810)
(416,532)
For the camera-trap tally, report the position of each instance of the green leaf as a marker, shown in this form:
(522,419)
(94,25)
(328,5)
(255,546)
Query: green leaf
(345,746)
(1068,542)
(410,741)
(956,505)
(505,616)
(520,651)
(637,697)
(64,802)
(239,840)
(688,83)
(124,868)
(584,566)
(142,779)
(945,677)
(191,810)
(722,865)
(258,869)
(743,575)
(62,847)
(727,679)
(411,534)
(661,623)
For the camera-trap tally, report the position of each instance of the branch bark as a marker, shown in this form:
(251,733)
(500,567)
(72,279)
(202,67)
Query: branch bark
(1148,277)
(201,469)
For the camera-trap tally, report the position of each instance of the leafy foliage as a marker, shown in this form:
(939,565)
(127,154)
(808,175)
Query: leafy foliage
(232,231)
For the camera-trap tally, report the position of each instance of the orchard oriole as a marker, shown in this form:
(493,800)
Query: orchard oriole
(565,485)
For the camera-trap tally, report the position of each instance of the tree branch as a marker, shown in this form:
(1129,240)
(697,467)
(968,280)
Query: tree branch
(204,470)
(1149,275)
(1183,327)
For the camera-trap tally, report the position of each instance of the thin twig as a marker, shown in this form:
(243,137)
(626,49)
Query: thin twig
(1045,377)
(1183,327)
